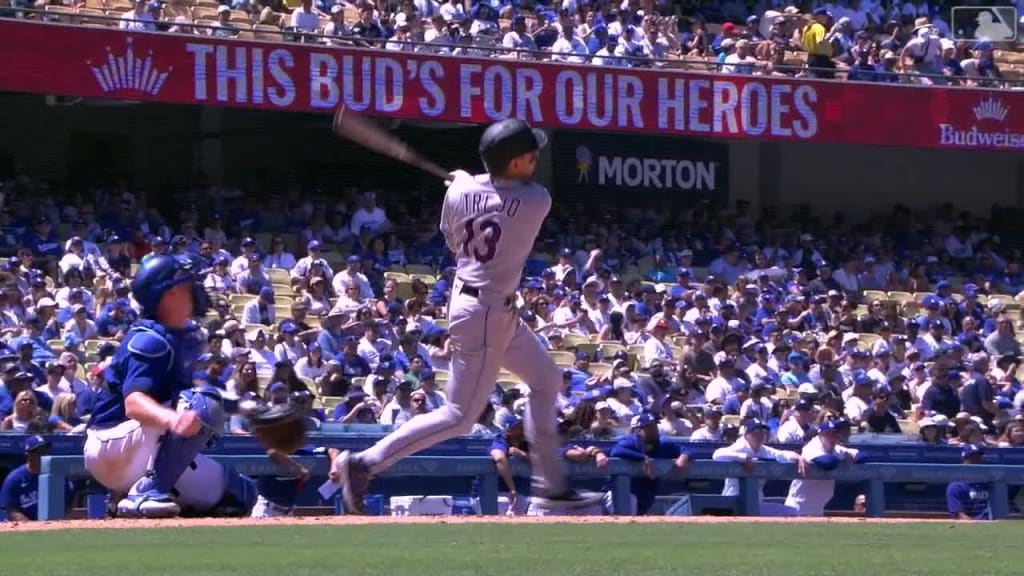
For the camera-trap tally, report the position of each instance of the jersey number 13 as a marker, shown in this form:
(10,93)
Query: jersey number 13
(482,236)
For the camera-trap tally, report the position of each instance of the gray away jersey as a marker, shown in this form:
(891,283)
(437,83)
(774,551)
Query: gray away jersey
(492,229)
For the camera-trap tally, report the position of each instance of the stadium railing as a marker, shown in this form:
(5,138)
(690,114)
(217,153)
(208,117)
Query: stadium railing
(56,470)
(487,46)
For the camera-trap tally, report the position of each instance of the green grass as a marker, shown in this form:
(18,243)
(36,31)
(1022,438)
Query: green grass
(515,550)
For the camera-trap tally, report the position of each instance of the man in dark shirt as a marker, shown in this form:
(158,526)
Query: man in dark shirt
(644,445)
(977,397)
(969,500)
(941,397)
(366,27)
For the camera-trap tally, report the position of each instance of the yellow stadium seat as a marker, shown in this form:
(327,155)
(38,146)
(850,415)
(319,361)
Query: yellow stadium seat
(562,358)
(279,276)
(875,295)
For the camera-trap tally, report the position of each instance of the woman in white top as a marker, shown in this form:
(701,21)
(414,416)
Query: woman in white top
(219,280)
(622,402)
(245,381)
(311,365)
(25,413)
(80,325)
(289,347)
(316,296)
(262,356)
(278,257)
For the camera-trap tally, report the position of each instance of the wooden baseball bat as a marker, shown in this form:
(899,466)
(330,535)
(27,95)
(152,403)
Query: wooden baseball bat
(352,126)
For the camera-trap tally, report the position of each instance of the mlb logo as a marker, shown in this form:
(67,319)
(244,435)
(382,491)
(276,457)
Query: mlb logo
(992,23)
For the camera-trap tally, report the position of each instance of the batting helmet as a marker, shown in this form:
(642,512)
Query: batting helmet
(504,140)
(160,273)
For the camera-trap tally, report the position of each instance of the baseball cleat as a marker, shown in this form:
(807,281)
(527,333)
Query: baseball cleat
(569,499)
(354,479)
(148,505)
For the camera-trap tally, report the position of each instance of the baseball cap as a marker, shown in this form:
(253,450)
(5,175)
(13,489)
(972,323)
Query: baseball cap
(33,443)
(753,425)
(602,405)
(641,420)
(622,384)
(267,293)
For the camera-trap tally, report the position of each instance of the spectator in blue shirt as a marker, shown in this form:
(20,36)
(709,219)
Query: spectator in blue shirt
(19,495)
(45,246)
(644,445)
(511,444)
(969,500)
(116,320)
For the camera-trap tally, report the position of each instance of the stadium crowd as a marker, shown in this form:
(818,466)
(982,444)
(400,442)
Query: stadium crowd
(868,40)
(701,317)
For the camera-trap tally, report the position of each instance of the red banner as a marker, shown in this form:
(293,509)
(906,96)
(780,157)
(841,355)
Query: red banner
(93,62)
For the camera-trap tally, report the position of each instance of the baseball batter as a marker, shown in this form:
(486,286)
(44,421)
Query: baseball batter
(490,222)
(138,443)
(824,451)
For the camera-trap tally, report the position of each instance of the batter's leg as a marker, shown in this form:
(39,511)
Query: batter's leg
(526,358)
(479,336)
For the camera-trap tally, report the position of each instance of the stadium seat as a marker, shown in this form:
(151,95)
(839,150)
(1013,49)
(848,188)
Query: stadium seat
(329,402)
(428,279)
(920,296)
(240,299)
(360,383)
(413,269)
(266,32)
(562,358)
(396,276)
(875,295)
(909,427)
(901,297)
(60,14)
(599,367)
(589,347)
(608,349)
(279,276)
(405,289)
(508,384)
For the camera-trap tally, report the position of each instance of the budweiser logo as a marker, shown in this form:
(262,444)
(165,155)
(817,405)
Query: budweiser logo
(128,74)
(990,113)
(991,109)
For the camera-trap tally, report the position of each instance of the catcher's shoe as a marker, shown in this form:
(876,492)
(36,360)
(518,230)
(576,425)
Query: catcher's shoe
(148,505)
(354,478)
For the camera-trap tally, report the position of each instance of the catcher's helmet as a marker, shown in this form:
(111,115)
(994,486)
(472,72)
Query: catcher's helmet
(160,273)
(504,140)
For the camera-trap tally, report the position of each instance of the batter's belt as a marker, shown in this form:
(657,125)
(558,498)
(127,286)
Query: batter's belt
(474,292)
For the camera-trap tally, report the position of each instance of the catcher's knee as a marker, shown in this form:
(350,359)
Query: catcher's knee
(205,401)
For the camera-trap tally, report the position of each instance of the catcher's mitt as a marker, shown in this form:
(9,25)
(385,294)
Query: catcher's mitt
(278,427)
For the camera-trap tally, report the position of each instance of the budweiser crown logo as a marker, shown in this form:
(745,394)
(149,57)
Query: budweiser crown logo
(127,73)
(991,109)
